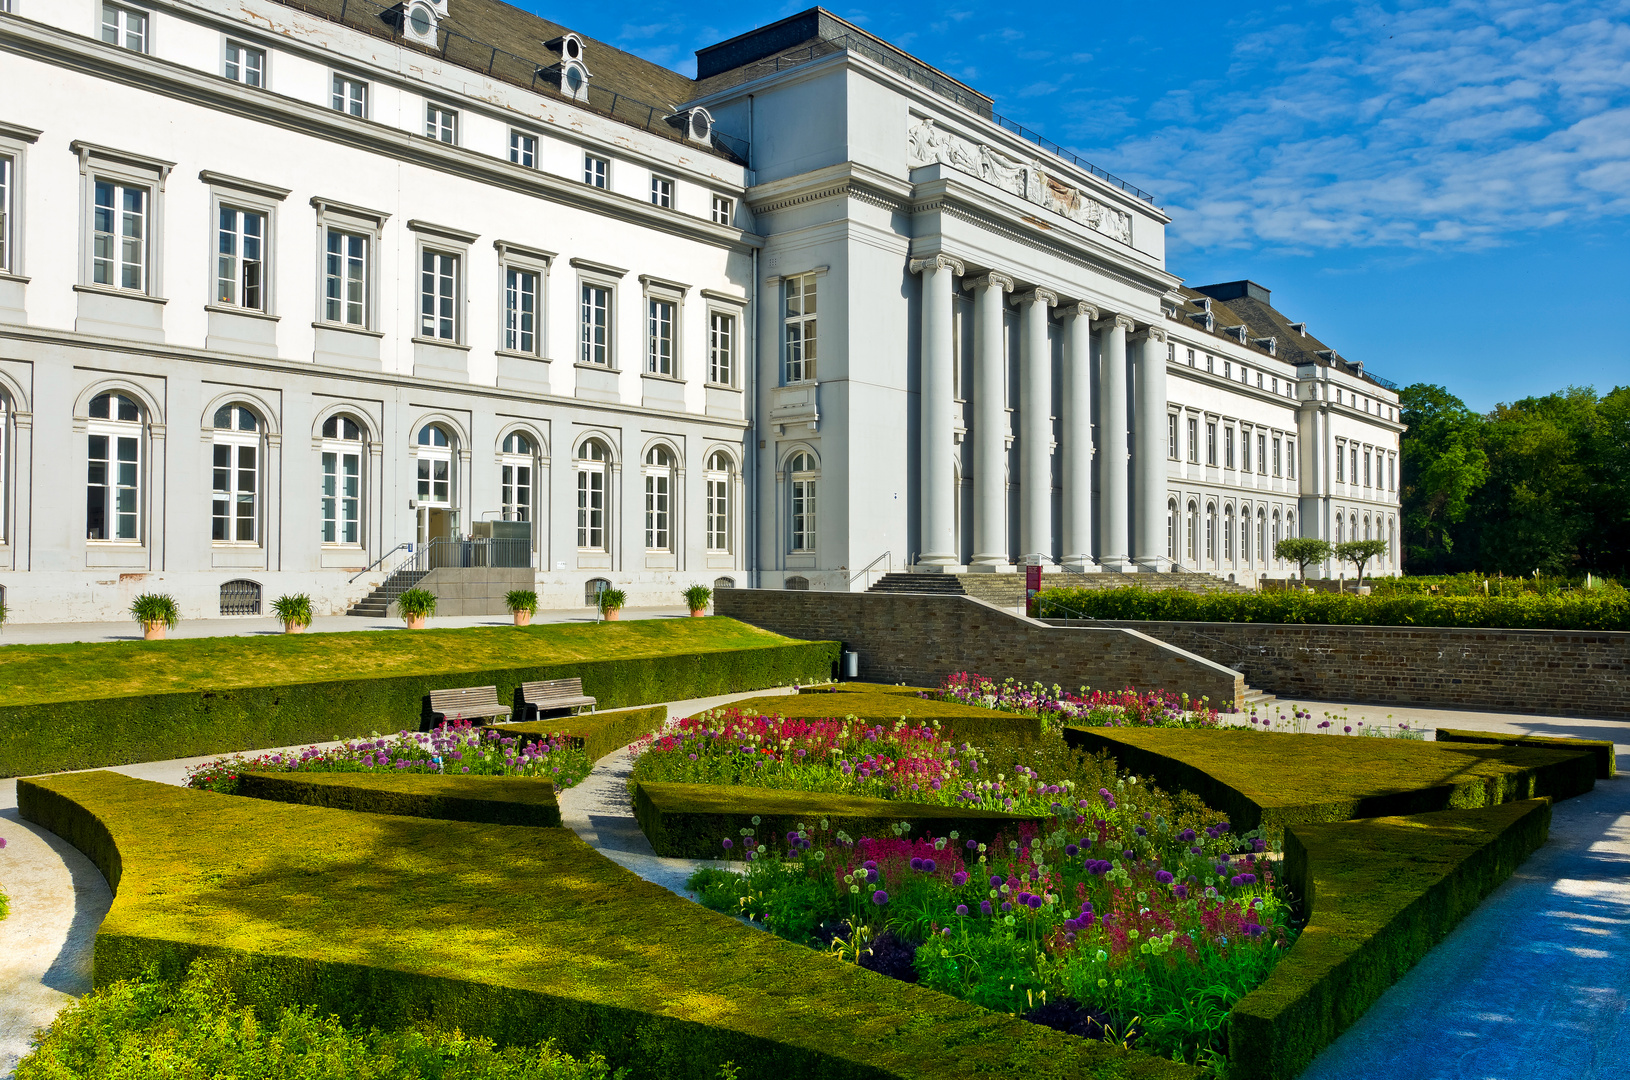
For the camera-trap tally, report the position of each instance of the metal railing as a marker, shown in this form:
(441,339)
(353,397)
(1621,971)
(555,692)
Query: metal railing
(867,569)
(920,75)
(448,552)
(370,567)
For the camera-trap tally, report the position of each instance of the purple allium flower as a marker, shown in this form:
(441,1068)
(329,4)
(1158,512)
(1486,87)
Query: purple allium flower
(960,878)
(972,845)
(929,866)
(1129,855)
(962,909)
(996,881)
(869,864)
(880,897)
(1247,879)
(1141,831)
(1034,901)
(871,875)
(1023,898)
(728,843)
(1163,876)
(1071,925)
(1237,880)
(1006,906)
(916,864)
(984,907)
(1071,850)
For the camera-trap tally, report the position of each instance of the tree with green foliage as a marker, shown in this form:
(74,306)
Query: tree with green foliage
(1443,464)
(1302,550)
(1359,553)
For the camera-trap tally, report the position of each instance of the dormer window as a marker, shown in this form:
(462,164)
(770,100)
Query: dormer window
(572,73)
(698,126)
(419,21)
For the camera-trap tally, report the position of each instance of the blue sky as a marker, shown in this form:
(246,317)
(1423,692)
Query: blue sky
(1441,191)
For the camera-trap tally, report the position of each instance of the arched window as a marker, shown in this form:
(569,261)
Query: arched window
(342,481)
(1194,533)
(1171,529)
(1245,534)
(1262,552)
(718,502)
(1341,529)
(1290,524)
(5,449)
(240,597)
(1276,536)
(592,459)
(803,475)
(659,474)
(113,496)
(723,583)
(1352,526)
(235,471)
(435,466)
(592,589)
(1211,532)
(1228,534)
(515,477)
(798,583)
(1366,526)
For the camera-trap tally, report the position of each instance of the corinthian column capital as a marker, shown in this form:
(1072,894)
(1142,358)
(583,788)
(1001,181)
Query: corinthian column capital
(990,279)
(937,262)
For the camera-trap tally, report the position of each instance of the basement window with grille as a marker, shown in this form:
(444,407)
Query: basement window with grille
(240,597)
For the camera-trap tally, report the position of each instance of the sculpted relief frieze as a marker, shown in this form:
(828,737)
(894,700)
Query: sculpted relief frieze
(930,145)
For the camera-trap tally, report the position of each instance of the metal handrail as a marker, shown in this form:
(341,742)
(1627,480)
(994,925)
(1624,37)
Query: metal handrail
(379,560)
(889,555)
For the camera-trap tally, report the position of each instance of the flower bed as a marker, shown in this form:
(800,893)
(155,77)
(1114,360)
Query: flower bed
(1089,708)
(453,749)
(1109,921)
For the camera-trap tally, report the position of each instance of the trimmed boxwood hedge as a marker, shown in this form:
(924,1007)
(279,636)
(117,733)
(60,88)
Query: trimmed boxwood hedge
(1379,893)
(512,934)
(598,733)
(967,722)
(494,800)
(691,821)
(1602,749)
(1273,780)
(60,735)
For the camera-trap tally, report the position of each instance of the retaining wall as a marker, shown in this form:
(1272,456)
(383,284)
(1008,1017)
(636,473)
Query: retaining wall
(919,639)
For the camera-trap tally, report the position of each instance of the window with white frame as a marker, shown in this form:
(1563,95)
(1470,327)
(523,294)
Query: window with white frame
(591,466)
(1211,532)
(803,477)
(1171,529)
(1352,464)
(119,235)
(1259,380)
(1171,436)
(718,502)
(1392,473)
(1262,535)
(1228,446)
(659,478)
(125,27)
(240,258)
(1228,366)
(1228,534)
(1290,458)
(721,348)
(434,456)
(1366,470)
(515,465)
(1211,362)
(1245,451)
(245,64)
(660,318)
(440,123)
(596,171)
(438,295)
(350,96)
(1341,462)
(1278,456)
(523,149)
(1290,524)
(522,289)
(113,480)
(5,449)
(1211,443)
(662,192)
(1194,439)
(1276,536)
(596,320)
(345,278)
(800,328)
(8,185)
(1262,453)
(341,452)
(1191,357)
(1245,534)
(1194,533)
(724,209)
(235,473)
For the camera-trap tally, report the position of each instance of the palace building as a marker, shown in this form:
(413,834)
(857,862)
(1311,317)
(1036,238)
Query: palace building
(295,295)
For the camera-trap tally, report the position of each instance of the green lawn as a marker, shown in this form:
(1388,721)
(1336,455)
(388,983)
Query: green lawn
(33,674)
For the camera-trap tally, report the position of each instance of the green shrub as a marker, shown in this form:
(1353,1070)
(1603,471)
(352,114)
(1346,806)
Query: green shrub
(691,821)
(517,935)
(493,800)
(519,600)
(416,603)
(1601,749)
(612,600)
(1379,894)
(151,1030)
(153,726)
(295,609)
(151,609)
(1607,610)
(598,733)
(697,597)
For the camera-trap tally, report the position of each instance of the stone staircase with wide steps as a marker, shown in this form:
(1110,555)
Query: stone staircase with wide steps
(376,605)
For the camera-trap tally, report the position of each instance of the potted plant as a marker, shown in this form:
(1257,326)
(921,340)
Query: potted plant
(294,612)
(156,612)
(611,602)
(697,596)
(416,605)
(523,604)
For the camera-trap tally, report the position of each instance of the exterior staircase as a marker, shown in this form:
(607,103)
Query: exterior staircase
(1007,590)
(376,605)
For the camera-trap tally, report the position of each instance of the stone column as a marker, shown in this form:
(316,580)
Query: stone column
(1035,425)
(1149,469)
(990,424)
(1112,446)
(1077,426)
(938,399)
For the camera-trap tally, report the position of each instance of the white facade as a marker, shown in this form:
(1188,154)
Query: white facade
(281,292)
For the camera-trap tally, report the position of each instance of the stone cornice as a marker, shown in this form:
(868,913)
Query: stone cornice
(848,180)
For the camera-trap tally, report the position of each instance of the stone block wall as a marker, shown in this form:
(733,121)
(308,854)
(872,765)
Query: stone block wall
(1546,672)
(919,639)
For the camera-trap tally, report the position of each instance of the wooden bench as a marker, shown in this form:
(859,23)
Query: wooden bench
(533,698)
(464,703)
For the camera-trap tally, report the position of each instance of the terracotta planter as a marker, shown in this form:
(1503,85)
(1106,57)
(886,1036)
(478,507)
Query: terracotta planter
(153,631)
(614,614)
(294,628)
(415,622)
(698,613)
(522,618)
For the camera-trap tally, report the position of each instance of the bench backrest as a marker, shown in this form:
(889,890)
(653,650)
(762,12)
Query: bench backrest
(449,702)
(547,689)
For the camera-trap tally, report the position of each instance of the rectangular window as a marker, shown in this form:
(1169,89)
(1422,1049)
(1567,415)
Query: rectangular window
(1290,458)
(1194,440)
(1171,352)
(125,27)
(659,335)
(1392,473)
(1171,436)
(1228,447)
(119,236)
(233,504)
(1366,468)
(1245,452)
(596,325)
(1352,462)
(520,310)
(438,296)
(596,171)
(591,509)
(803,515)
(724,209)
(800,328)
(1210,362)
(245,64)
(718,512)
(345,279)
(1275,385)
(516,493)
(1211,444)
(342,496)
(1191,358)
(1341,468)
(1278,457)
(113,487)
(662,192)
(523,149)
(1228,369)
(239,259)
(440,123)
(657,509)
(721,349)
(7,183)
(1259,380)
(350,96)
(1262,454)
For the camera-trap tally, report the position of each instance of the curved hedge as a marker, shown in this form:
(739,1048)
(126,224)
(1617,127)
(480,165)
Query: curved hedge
(598,733)
(1530,611)
(494,800)
(512,934)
